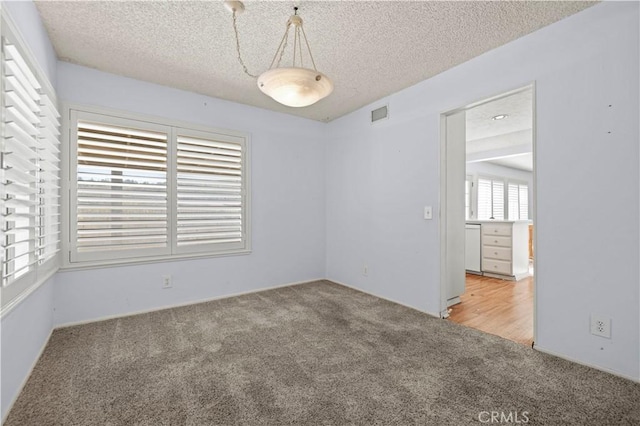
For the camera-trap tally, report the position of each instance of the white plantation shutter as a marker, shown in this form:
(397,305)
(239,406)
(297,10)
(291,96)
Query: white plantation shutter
(498,199)
(145,191)
(120,185)
(490,199)
(209,192)
(524,202)
(518,201)
(29,172)
(484,198)
(49,173)
(468,183)
(513,194)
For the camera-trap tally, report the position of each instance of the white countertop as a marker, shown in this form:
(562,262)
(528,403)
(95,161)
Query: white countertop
(479,222)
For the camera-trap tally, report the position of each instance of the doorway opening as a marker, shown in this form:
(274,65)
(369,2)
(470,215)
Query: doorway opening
(489,169)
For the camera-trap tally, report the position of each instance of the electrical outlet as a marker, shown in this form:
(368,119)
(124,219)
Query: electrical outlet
(365,270)
(601,326)
(166,281)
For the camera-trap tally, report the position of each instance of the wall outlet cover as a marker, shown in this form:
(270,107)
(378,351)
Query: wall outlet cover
(166,281)
(601,326)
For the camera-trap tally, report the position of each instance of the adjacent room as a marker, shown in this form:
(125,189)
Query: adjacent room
(318,212)
(498,295)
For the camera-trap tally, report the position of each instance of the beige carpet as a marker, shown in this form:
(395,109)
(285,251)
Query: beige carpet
(311,354)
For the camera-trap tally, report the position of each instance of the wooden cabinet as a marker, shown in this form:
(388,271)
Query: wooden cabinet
(505,249)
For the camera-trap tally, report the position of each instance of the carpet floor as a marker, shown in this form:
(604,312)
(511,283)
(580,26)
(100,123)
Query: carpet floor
(311,354)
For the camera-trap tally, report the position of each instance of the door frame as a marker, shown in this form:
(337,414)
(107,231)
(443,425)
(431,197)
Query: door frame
(444,164)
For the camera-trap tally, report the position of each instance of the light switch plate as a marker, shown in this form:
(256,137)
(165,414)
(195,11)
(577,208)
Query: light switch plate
(428,213)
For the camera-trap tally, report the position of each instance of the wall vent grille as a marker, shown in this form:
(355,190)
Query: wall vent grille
(380,113)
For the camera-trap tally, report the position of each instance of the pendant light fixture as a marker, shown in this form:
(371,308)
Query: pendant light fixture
(294,86)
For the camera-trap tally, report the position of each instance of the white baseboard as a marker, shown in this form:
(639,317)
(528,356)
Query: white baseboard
(26,378)
(586,364)
(381,297)
(178,305)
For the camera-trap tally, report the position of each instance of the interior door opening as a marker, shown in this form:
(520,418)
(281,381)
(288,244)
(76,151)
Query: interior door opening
(488,212)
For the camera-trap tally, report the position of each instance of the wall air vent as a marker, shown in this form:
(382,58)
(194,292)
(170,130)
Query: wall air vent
(380,113)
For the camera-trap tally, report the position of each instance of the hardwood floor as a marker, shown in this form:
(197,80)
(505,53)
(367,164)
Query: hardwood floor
(503,308)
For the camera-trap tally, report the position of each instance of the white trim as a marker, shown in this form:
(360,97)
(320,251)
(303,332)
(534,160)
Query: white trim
(179,305)
(146,260)
(381,297)
(26,377)
(586,364)
(149,118)
(29,56)
(533,209)
(6,309)
(21,288)
(443,191)
(442,229)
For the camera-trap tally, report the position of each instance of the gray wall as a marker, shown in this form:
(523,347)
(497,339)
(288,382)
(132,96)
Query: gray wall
(360,189)
(379,178)
(288,216)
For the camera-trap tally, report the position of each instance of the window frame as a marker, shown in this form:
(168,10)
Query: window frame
(471,211)
(44,267)
(176,127)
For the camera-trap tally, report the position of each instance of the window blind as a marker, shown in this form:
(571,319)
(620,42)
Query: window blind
(484,198)
(514,206)
(524,202)
(467,199)
(141,190)
(490,199)
(209,192)
(29,171)
(497,199)
(49,213)
(121,190)
(518,195)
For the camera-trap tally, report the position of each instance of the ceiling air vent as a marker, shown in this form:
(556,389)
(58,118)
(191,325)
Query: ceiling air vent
(380,113)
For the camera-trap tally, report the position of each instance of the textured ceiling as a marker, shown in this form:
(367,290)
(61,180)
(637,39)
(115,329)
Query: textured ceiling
(369,49)
(486,135)
(518,108)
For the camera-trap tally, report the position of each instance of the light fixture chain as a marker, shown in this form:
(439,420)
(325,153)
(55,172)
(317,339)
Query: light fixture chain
(300,49)
(295,43)
(235,30)
(309,48)
(284,42)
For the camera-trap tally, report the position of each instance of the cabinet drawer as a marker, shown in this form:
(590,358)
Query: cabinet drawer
(490,240)
(496,266)
(499,253)
(496,229)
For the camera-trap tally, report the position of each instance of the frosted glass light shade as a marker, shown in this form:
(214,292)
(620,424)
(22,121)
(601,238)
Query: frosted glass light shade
(295,87)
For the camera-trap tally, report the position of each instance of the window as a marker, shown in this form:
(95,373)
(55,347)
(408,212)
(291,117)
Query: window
(518,195)
(29,171)
(468,186)
(490,199)
(142,190)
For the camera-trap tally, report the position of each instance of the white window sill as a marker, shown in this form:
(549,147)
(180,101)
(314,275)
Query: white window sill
(148,260)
